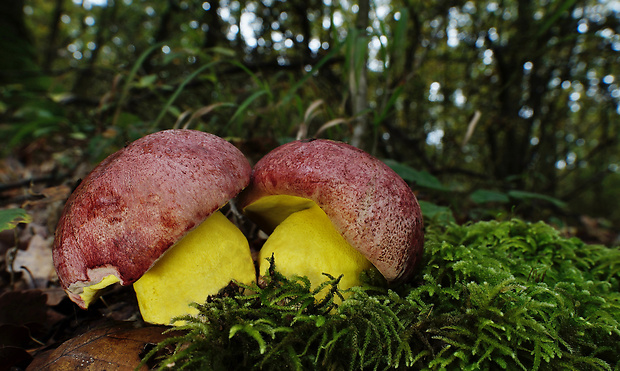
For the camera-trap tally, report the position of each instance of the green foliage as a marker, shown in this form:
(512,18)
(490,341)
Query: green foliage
(419,178)
(436,213)
(10,218)
(491,295)
(482,198)
(519,98)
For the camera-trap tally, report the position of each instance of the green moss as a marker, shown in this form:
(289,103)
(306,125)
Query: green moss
(490,295)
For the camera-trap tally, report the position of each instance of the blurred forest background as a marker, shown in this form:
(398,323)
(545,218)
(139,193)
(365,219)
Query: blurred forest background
(488,108)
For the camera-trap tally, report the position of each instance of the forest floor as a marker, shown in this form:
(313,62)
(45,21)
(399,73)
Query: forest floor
(40,327)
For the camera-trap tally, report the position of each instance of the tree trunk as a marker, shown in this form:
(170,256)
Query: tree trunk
(358,84)
(84,78)
(18,62)
(50,47)
(214,26)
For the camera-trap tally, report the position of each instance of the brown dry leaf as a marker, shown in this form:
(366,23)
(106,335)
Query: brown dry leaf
(37,259)
(49,195)
(14,335)
(13,358)
(54,295)
(595,228)
(23,307)
(116,347)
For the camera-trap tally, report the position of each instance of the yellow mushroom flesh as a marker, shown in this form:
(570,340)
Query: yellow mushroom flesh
(203,262)
(304,242)
(199,265)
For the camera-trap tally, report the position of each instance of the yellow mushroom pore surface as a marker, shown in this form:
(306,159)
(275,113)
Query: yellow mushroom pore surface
(92,292)
(307,244)
(199,265)
(269,211)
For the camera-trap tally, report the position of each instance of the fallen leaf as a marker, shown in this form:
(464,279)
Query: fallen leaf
(54,295)
(10,218)
(37,260)
(114,347)
(599,229)
(23,307)
(13,358)
(14,335)
(49,195)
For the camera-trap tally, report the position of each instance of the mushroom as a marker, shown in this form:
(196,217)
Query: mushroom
(332,208)
(148,216)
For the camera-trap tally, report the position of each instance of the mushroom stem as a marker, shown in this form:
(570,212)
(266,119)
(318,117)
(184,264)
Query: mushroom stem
(199,265)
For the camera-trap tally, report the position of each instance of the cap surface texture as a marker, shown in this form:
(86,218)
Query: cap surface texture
(367,202)
(139,201)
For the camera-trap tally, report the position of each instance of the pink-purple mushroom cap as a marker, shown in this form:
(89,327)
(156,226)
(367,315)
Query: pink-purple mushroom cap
(139,201)
(372,207)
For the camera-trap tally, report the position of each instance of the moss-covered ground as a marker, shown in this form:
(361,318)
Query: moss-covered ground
(489,295)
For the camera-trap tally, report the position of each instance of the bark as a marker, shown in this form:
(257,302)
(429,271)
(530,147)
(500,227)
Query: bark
(50,47)
(18,62)
(213,34)
(166,22)
(301,10)
(85,76)
(358,84)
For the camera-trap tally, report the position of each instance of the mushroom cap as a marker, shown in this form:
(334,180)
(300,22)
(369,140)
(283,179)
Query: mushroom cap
(367,202)
(139,201)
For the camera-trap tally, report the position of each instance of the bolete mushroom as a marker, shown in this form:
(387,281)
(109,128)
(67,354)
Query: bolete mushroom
(148,216)
(332,208)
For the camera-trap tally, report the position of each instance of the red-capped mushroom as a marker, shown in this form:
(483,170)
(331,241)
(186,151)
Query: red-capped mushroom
(148,215)
(333,208)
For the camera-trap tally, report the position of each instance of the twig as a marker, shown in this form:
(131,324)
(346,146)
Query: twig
(470,128)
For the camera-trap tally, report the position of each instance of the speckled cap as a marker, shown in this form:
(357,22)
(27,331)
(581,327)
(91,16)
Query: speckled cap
(139,201)
(368,203)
